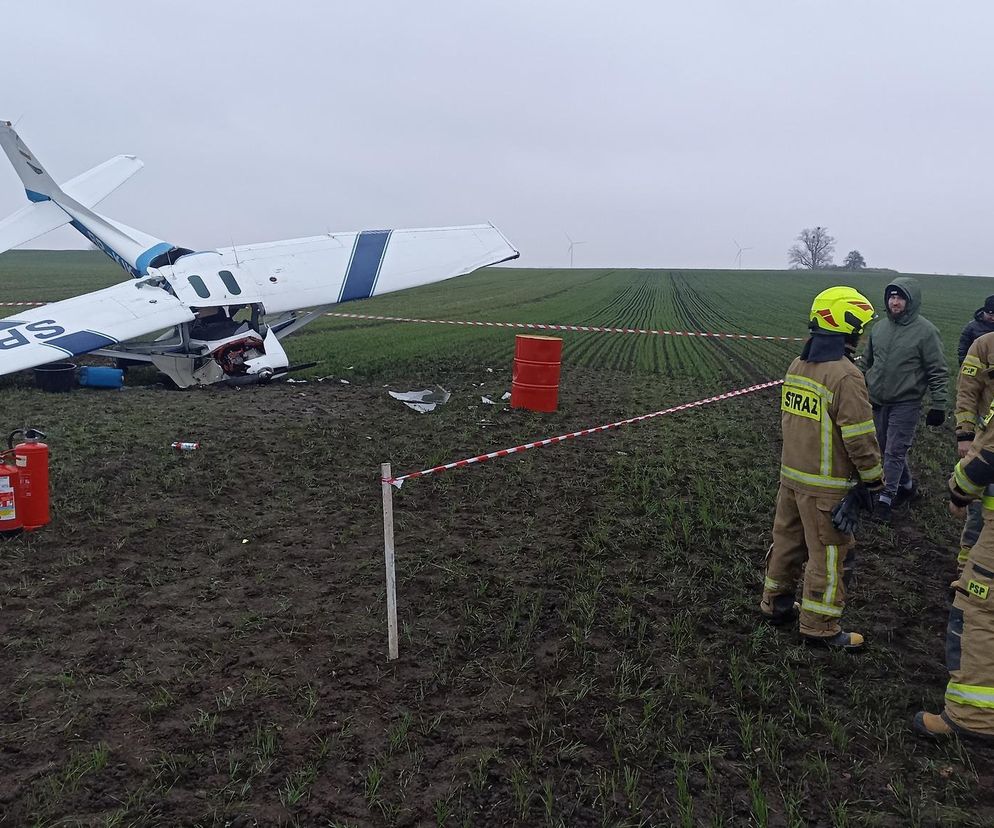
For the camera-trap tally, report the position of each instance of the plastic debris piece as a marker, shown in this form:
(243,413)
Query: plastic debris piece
(422,401)
(487,400)
(506,396)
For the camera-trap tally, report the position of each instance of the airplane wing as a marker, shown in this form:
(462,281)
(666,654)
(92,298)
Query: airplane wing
(87,323)
(324,270)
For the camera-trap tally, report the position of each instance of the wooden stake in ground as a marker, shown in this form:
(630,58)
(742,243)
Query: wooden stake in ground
(389,559)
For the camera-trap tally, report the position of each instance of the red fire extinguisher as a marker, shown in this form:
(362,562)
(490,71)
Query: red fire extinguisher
(31,459)
(10,516)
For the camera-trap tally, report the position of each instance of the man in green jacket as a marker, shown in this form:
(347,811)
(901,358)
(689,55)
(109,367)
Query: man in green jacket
(904,361)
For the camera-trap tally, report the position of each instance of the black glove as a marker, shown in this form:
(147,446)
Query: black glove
(845,515)
(935,417)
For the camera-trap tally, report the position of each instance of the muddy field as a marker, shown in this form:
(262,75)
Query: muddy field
(199,638)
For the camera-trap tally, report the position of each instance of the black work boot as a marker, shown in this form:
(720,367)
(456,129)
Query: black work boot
(783,611)
(881,512)
(906,495)
(849,641)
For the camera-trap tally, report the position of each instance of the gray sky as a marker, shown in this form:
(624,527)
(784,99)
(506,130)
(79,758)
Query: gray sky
(655,132)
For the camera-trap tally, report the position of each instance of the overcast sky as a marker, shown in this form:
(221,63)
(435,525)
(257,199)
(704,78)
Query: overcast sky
(659,134)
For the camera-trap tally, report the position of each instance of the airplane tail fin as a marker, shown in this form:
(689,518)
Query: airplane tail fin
(38,184)
(54,206)
(88,189)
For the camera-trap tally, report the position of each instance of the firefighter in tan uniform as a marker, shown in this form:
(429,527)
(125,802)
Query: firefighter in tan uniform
(974,392)
(829,446)
(970,634)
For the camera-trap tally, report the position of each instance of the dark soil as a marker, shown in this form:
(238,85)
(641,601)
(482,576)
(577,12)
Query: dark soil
(199,638)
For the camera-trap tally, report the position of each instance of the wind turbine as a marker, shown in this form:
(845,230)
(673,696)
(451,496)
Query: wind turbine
(738,256)
(572,244)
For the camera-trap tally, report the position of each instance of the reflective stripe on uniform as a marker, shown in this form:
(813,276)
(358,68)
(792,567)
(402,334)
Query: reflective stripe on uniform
(769,583)
(831,562)
(822,480)
(819,608)
(966,418)
(964,482)
(974,363)
(871,474)
(811,385)
(827,430)
(857,429)
(988,502)
(974,695)
(964,553)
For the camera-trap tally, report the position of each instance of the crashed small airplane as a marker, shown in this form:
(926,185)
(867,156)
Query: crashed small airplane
(220,315)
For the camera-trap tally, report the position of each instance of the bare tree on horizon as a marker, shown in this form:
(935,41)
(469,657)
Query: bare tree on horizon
(814,251)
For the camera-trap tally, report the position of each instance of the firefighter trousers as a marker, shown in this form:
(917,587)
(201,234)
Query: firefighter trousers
(970,640)
(972,526)
(805,539)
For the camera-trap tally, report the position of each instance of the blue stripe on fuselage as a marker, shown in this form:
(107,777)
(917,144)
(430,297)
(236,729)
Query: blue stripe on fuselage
(36,197)
(81,342)
(367,258)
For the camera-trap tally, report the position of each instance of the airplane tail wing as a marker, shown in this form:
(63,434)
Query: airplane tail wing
(30,222)
(95,185)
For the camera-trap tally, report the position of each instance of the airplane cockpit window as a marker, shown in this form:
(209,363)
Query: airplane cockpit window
(198,285)
(229,282)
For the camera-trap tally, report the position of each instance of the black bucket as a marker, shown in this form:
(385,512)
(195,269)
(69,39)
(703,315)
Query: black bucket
(57,376)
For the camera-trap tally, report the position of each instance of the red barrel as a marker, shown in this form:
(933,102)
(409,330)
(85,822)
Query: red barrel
(535,381)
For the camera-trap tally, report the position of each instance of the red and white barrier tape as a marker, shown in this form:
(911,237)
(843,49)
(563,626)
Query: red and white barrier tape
(529,326)
(482,458)
(537,326)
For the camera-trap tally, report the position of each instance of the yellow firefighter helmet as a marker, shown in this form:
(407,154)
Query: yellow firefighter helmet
(842,310)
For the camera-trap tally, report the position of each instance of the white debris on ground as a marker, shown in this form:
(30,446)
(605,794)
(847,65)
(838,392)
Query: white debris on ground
(422,401)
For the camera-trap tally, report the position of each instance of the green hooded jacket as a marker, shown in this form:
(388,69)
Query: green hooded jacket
(904,357)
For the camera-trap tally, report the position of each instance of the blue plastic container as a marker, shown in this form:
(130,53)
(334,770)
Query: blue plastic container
(98,376)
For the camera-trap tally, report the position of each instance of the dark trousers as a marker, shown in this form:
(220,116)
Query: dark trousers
(896,432)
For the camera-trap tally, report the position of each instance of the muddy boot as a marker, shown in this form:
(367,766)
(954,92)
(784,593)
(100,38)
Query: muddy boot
(931,725)
(849,641)
(881,512)
(782,610)
(908,495)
